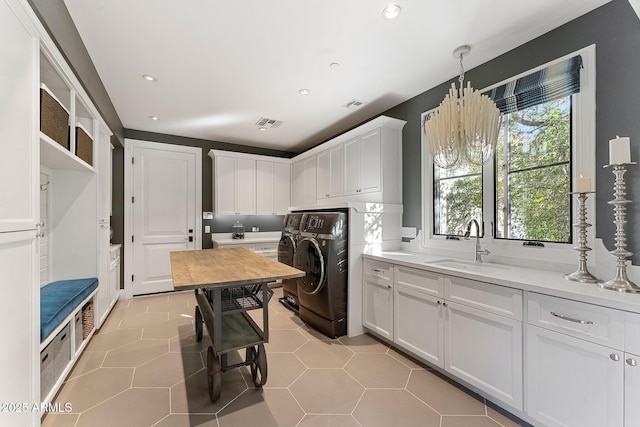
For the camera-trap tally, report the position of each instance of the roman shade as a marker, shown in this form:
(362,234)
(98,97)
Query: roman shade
(554,82)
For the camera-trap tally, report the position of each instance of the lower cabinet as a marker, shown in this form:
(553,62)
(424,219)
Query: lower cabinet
(478,346)
(573,382)
(631,390)
(377,298)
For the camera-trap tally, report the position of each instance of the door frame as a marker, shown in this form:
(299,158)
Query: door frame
(129,145)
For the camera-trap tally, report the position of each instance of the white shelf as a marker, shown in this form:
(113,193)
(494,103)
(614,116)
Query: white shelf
(55,156)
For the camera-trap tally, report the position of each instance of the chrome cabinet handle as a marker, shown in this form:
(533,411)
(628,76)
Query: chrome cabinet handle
(377,270)
(614,357)
(631,362)
(572,319)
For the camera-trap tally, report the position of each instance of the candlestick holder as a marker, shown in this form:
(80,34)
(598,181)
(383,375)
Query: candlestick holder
(620,282)
(582,274)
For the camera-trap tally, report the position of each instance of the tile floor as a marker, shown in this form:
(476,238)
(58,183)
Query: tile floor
(145,368)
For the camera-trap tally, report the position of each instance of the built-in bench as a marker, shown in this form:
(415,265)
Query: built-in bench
(59,299)
(66,318)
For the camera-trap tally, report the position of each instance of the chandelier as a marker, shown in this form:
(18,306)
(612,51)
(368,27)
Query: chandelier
(464,128)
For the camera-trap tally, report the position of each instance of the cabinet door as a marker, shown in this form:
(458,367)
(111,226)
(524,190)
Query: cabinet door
(323,172)
(485,350)
(572,382)
(19,163)
(418,324)
(377,309)
(282,188)
(352,166)
(265,188)
(336,171)
(297,184)
(19,293)
(309,191)
(246,186)
(631,390)
(225,186)
(371,175)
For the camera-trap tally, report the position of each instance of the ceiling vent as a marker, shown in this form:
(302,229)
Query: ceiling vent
(353,104)
(268,123)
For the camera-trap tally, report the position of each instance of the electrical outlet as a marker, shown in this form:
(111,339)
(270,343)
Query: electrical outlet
(207,215)
(409,232)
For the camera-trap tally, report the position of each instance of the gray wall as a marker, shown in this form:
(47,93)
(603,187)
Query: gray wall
(615,30)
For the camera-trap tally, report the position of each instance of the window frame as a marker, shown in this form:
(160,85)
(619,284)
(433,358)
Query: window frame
(583,162)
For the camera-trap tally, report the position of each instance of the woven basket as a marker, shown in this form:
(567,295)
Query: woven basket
(87,319)
(54,118)
(84,145)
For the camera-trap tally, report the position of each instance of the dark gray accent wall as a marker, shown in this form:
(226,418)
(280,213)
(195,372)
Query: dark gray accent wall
(221,225)
(56,19)
(615,30)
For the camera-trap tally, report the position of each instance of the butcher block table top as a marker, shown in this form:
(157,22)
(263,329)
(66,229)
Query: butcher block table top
(226,267)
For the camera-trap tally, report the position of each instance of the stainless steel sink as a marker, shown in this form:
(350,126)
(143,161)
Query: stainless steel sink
(485,267)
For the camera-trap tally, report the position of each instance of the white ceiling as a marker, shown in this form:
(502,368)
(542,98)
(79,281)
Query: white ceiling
(221,66)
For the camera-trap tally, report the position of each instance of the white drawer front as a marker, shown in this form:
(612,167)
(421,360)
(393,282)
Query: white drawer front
(495,299)
(420,280)
(382,270)
(586,321)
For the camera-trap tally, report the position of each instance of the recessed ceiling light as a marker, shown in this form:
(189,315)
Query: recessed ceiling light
(334,65)
(262,128)
(154,117)
(391,12)
(303,91)
(149,78)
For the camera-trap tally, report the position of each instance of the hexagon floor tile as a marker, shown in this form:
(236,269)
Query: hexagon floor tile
(145,368)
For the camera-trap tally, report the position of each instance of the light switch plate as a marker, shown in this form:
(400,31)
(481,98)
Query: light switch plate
(207,229)
(409,232)
(207,215)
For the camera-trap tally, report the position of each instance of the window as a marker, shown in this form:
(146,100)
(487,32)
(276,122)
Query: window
(533,174)
(547,140)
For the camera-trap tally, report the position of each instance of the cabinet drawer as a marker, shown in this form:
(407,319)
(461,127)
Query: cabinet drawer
(581,320)
(495,299)
(420,280)
(378,269)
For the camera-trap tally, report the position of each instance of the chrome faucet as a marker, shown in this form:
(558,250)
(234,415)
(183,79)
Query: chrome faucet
(478,252)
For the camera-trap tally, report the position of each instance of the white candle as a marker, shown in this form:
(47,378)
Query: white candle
(583,184)
(619,150)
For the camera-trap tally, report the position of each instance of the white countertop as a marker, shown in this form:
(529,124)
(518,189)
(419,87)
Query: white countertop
(250,237)
(527,279)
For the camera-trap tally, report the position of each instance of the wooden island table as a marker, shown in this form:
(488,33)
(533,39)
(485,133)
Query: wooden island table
(228,283)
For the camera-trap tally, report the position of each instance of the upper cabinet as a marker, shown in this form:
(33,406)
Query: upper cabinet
(273,187)
(361,165)
(247,184)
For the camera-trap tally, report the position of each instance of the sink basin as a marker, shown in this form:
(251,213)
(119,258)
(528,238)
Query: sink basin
(469,265)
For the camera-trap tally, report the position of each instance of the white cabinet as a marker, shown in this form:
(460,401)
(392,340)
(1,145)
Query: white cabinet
(631,390)
(304,181)
(377,298)
(248,184)
(361,165)
(575,363)
(573,382)
(114,274)
(472,330)
(363,171)
(234,186)
(273,187)
(330,173)
(418,313)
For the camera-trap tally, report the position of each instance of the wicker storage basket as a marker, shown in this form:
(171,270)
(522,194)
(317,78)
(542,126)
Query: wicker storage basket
(84,145)
(54,118)
(87,319)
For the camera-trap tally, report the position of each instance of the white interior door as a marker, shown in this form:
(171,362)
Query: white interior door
(165,204)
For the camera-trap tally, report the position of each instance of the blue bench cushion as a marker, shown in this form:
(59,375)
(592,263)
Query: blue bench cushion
(59,299)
